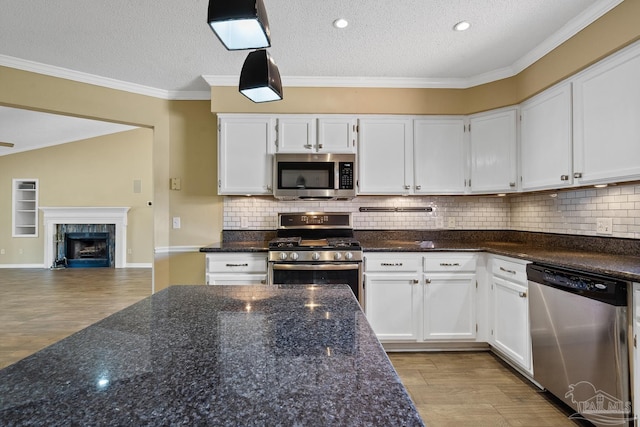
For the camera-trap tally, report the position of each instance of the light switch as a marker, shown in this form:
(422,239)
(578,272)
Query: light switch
(175,184)
(176,222)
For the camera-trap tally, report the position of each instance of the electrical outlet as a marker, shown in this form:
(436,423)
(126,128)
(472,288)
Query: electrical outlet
(176,222)
(175,184)
(440,222)
(2,252)
(604,226)
(129,251)
(451,223)
(244,222)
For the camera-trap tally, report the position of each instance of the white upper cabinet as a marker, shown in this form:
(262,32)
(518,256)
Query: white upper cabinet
(606,120)
(493,141)
(245,152)
(296,134)
(545,140)
(315,134)
(337,134)
(385,155)
(439,155)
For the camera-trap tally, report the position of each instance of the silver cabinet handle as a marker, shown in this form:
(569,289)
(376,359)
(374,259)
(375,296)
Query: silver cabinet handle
(507,271)
(391,264)
(448,264)
(577,175)
(237,265)
(416,281)
(522,294)
(512,184)
(427,280)
(418,187)
(308,146)
(564,177)
(319,146)
(407,187)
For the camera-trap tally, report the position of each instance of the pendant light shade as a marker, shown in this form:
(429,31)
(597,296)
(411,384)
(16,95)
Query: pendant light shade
(240,24)
(260,78)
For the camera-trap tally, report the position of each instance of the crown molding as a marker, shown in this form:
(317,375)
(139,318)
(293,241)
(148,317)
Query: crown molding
(78,76)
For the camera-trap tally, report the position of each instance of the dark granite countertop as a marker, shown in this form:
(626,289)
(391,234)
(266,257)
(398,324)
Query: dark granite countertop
(237,246)
(215,355)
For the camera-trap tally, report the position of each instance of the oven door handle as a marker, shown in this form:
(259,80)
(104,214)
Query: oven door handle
(292,267)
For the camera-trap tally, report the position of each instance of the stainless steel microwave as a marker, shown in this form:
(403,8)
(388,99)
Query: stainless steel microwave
(314,176)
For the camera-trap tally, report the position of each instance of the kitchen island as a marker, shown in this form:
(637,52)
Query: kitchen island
(215,355)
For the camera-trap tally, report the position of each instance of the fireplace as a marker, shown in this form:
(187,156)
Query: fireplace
(83,250)
(59,220)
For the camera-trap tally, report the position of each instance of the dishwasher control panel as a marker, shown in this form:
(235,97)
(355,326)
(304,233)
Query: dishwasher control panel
(602,288)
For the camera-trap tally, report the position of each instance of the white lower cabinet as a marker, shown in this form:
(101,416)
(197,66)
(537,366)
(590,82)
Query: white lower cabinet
(510,334)
(237,268)
(393,296)
(414,297)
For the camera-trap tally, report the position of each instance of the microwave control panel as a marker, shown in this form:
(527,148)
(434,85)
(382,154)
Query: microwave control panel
(345,181)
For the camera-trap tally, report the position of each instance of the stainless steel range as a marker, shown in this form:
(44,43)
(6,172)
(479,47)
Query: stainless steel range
(316,248)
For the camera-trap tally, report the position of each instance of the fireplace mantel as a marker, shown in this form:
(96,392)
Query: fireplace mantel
(85,215)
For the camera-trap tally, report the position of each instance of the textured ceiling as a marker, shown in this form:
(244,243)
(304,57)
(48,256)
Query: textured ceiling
(164,48)
(167,45)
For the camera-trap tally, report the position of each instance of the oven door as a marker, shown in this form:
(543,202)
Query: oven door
(327,273)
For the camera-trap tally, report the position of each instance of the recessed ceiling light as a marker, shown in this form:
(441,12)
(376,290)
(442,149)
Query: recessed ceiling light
(461,26)
(340,23)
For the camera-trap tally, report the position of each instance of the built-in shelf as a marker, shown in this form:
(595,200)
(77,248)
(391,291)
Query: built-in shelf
(25,208)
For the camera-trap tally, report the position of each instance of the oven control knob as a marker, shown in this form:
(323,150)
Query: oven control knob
(315,256)
(293,256)
(348,255)
(283,255)
(337,256)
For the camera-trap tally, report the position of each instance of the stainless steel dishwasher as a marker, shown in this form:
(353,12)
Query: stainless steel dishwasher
(579,336)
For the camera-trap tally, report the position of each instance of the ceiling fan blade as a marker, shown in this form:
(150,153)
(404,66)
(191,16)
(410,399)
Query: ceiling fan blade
(6,144)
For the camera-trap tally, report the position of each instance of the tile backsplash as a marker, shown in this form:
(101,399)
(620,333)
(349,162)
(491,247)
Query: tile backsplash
(567,212)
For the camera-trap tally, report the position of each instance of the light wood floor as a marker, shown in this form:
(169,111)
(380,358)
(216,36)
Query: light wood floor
(39,307)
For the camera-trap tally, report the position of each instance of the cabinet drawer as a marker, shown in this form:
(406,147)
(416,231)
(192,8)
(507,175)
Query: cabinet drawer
(246,263)
(236,279)
(392,263)
(512,270)
(453,262)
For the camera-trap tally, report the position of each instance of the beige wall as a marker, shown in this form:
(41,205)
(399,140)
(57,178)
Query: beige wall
(184,137)
(93,172)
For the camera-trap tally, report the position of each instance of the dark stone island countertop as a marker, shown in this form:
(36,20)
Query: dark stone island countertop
(215,355)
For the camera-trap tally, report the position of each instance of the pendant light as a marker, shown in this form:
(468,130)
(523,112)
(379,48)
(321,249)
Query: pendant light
(240,24)
(260,78)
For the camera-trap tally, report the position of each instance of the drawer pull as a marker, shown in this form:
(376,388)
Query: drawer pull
(263,281)
(507,271)
(237,265)
(522,294)
(415,281)
(427,280)
(448,264)
(391,264)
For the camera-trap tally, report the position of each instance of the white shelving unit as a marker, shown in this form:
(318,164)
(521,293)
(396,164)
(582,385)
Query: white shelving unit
(25,208)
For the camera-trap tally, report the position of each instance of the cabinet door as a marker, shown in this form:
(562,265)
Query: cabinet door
(493,151)
(393,305)
(545,140)
(510,332)
(296,134)
(439,155)
(245,150)
(337,134)
(607,120)
(385,156)
(449,307)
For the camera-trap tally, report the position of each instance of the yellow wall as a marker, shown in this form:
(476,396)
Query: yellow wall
(184,137)
(94,172)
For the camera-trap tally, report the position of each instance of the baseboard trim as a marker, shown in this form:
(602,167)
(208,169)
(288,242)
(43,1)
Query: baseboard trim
(22,266)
